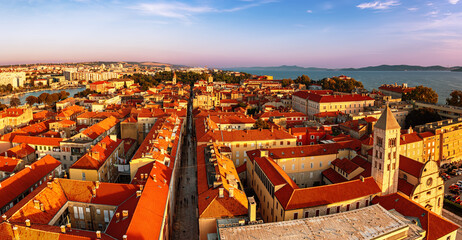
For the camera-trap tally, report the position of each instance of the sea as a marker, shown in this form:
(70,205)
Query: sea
(443,82)
(22,96)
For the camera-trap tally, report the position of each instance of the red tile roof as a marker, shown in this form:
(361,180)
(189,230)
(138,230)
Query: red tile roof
(405,187)
(410,166)
(41,141)
(8,164)
(98,154)
(333,176)
(20,151)
(345,164)
(436,226)
(24,179)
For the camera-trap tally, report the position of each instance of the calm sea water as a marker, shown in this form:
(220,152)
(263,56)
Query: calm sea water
(23,97)
(442,82)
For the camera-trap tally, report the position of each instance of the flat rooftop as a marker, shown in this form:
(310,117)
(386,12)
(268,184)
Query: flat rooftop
(365,223)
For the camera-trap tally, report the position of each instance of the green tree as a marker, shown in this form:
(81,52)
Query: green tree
(31,100)
(9,87)
(260,123)
(421,116)
(14,102)
(63,95)
(455,98)
(421,94)
(340,84)
(43,97)
(52,99)
(287,82)
(304,79)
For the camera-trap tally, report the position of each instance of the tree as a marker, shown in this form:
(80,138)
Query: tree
(52,98)
(63,95)
(287,82)
(3,107)
(421,94)
(455,98)
(31,100)
(421,116)
(341,84)
(304,79)
(14,102)
(9,87)
(260,123)
(43,97)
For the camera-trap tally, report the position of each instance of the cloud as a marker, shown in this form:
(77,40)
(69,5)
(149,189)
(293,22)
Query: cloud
(453,1)
(412,9)
(183,11)
(378,5)
(171,10)
(309,11)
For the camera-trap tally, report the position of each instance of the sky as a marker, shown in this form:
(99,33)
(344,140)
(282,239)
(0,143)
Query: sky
(233,33)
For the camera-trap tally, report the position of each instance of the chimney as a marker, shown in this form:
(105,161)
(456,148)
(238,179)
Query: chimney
(220,192)
(231,192)
(16,232)
(104,145)
(49,185)
(50,178)
(272,128)
(113,137)
(69,226)
(4,217)
(42,207)
(252,209)
(124,214)
(154,177)
(290,131)
(98,234)
(117,216)
(63,229)
(124,237)
(55,180)
(141,187)
(138,193)
(93,192)
(36,204)
(27,222)
(361,178)
(409,131)
(97,183)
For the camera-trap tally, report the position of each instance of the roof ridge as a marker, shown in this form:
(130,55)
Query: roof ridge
(59,182)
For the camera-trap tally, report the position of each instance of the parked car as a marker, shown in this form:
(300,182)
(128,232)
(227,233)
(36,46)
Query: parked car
(455,191)
(454,186)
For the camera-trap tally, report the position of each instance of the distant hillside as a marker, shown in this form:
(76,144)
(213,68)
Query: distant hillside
(282,68)
(398,68)
(370,68)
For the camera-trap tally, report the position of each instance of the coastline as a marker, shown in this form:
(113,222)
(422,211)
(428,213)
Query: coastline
(39,90)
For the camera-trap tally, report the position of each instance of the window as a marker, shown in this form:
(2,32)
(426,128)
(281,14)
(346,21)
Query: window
(81,213)
(312,165)
(87,209)
(237,144)
(357,205)
(312,136)
(338,209)
(293,167)
(303,165)
(76,212)
(367,203)
(295,215)
(83,176)
(317,213)
(237,162)
(98,211)
(307,214)
(106,216)
(327,211)
(320,164)
(348,207)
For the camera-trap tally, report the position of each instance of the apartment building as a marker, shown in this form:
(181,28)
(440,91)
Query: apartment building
(311,102)
(14,117)
(99,164)
(16,79)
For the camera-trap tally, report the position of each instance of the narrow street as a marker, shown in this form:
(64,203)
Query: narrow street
(185,223)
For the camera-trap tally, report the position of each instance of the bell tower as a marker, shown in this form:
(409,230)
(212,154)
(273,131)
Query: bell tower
(385,155)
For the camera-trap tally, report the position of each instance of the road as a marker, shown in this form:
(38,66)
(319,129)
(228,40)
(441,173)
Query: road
(447,214)
(185,222)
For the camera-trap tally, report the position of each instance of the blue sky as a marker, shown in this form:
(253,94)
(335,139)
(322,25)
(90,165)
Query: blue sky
(227,33)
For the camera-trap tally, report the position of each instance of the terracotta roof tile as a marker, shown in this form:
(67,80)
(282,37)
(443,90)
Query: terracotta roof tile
(410,166)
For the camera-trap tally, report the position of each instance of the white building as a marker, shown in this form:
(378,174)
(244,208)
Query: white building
(16,79)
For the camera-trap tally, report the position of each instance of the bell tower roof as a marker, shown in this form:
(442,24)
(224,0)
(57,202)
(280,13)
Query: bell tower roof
(387,120)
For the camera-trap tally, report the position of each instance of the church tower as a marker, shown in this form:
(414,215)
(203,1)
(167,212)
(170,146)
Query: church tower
(174,78)
(385,155)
